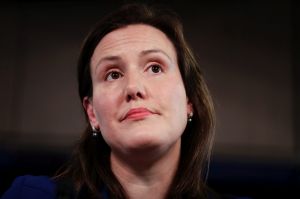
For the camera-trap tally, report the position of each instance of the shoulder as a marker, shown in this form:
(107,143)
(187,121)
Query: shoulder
(28,186)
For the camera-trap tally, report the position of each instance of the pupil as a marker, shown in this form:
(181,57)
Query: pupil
(155,68)
(115,75)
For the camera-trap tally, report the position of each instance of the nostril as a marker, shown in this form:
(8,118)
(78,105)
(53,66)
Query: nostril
(139,95)
(129,97)
(134,96)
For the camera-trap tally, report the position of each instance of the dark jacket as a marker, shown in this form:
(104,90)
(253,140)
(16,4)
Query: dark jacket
(25,187)
(43,187)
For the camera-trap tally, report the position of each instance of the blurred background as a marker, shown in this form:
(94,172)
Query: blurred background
(248,52)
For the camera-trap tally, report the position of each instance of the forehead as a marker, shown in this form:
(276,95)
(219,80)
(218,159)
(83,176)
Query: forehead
(136,37)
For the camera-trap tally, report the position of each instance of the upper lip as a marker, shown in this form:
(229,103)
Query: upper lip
(136,110)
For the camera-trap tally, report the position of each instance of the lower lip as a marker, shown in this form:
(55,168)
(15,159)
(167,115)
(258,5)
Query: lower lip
(138,115)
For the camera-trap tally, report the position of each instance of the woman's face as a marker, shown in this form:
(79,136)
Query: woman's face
(139,100)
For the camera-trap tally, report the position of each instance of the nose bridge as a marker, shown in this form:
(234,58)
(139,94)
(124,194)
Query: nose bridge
(134,87)
(133,77)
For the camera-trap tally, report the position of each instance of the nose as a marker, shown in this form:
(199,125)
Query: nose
(135,88)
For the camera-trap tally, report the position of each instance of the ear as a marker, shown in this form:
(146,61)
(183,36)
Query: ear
(190,108)
(89,109)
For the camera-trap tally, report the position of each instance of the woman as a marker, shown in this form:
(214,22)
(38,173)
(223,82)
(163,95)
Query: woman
(149,112)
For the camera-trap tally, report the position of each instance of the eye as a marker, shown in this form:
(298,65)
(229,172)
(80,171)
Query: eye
(155,68)
(113,75)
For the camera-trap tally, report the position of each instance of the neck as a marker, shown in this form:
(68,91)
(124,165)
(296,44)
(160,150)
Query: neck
(149,176)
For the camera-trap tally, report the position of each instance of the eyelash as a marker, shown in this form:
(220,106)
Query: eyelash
(109,76)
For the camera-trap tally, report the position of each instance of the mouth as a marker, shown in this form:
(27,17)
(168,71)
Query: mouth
(137,114)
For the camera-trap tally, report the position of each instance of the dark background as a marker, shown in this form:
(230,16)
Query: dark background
(249,54)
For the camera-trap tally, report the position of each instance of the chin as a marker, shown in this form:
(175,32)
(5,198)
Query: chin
(145,143)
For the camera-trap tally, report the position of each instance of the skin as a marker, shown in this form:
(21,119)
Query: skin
(140,106)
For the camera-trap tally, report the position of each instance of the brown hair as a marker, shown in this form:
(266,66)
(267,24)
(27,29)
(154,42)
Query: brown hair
(90,168)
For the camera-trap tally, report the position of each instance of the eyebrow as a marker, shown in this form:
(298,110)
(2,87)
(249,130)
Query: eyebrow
(108,58)
(143,53)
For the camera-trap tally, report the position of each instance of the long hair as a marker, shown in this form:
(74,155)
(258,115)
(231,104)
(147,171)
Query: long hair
(90,168)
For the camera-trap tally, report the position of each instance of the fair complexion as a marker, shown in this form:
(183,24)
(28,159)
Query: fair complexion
(140,106)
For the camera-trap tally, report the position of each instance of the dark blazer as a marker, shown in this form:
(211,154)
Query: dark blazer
(42,187)
(25,187)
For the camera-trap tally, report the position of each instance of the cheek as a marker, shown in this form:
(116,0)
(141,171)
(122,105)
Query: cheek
(179,102)
(102,111)
(105,103)
(173,96)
